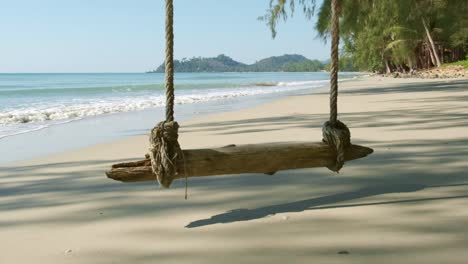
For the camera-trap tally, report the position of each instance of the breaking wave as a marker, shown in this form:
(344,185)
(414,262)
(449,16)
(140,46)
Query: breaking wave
(56,105)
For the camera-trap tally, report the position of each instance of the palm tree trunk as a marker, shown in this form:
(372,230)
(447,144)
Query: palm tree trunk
(441,50)
(431,55)
(429,37)
(387,67)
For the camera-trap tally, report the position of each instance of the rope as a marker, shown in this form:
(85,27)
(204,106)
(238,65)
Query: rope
(335,133)
(169,62)
(165,151)
(335,30)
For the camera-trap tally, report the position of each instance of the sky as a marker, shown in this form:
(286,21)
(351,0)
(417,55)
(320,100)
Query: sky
(128,35)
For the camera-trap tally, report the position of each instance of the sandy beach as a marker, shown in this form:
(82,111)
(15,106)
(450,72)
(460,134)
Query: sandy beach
(406,203)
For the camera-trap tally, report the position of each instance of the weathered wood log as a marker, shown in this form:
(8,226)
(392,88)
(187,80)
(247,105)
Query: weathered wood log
(259,158)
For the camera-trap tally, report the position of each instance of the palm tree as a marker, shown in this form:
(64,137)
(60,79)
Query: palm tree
(383,35)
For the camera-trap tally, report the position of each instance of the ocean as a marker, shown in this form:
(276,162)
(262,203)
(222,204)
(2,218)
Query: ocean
(47,106)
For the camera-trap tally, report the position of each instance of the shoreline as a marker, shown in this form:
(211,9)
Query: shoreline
(125,95)
(144,117)
(53,138)
(194,118)
(62,209)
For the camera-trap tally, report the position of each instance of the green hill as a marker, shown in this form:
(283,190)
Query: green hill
(223,63)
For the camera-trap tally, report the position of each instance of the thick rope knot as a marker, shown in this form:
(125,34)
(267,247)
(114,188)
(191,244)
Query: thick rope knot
(337,136)
(165,151)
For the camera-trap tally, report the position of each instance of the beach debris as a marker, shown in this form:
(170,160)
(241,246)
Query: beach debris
(343,252)
(452,71)
(68,251)
(285,217)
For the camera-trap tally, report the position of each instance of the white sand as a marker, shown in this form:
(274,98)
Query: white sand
(406,203)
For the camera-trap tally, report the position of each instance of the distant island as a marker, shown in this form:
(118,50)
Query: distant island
(223,63)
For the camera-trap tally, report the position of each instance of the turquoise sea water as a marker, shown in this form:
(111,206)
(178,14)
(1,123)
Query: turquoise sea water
(48,105)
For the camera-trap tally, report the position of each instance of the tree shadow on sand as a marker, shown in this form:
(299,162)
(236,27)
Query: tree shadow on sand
(238,215)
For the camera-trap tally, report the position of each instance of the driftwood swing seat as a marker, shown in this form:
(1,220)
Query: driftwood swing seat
(166,161)
(232,159)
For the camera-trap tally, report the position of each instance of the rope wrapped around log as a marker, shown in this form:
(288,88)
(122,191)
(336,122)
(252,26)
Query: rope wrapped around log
(337,136)
(165,151)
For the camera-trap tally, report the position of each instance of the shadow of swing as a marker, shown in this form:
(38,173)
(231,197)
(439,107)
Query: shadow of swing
(238,215)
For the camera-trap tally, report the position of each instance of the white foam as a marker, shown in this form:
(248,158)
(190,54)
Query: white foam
(302,83)
(39,116)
